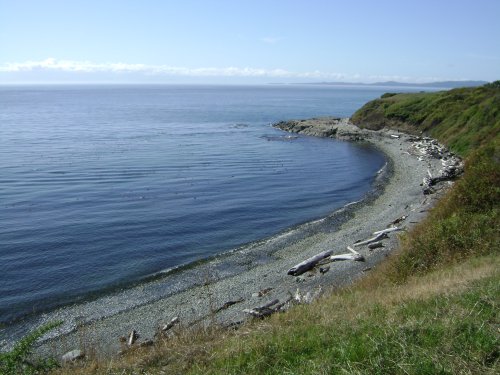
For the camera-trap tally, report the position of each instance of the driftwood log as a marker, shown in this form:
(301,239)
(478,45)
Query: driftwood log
(132,337)
(388,230)
(228,304)
(308,264)
(348,256)
(353,255)
(375,245)
(170,324)
(378,237)
(264,310)
(399,220)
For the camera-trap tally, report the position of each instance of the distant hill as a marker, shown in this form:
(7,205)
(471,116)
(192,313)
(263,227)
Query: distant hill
(442,84)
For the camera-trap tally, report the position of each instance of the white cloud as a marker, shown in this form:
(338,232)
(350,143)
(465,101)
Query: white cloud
(52,64)
(271,39)
(112,68)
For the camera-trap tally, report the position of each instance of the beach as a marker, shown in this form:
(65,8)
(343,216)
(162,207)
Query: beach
(218,290)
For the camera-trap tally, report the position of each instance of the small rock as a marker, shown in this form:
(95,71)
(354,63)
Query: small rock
(73,355)
(324,270)
(262,292)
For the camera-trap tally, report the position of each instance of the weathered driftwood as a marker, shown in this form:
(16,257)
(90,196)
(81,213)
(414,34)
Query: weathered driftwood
(353,255)
(388,230)
(308,264)
(279,306)
(269,304)
(375,245)
(264,310)
(399,220)
(347,256)
(170,324)
(132,337)
(352,250)
(73,355)
(228,304)
(378,237)
(452,165)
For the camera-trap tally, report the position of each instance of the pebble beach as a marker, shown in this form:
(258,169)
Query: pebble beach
(217,291)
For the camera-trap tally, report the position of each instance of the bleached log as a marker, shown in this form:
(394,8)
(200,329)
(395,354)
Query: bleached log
(375,245)
(268,305)
(264,310)
(348,256)
(171,324)
(228,304)
(352,250)
(308,264)
(255,313)
(388,230)
(280,305)
(378,237)
(132,337)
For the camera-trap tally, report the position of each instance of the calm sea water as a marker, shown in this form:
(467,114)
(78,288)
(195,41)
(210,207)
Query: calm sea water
(102,186)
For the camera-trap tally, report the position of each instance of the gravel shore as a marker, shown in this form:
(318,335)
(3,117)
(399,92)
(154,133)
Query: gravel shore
(253,275)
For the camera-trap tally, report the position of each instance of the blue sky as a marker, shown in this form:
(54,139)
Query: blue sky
(239,41)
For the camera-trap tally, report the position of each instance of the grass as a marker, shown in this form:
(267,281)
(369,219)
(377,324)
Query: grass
(19,361)
(432,308)
(394,330)
(443,322)
(464,118)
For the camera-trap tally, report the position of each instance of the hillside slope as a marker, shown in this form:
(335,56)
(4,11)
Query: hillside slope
(463,118)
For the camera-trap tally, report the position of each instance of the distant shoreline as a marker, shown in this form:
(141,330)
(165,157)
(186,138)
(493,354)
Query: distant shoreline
(395,84)
(243,274)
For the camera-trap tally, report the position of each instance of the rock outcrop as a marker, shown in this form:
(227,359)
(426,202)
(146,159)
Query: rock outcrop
(329,127)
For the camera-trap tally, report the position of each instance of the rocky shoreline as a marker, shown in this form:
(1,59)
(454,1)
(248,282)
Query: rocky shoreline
(255,279)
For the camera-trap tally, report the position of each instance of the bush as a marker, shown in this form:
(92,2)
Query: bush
(17,361)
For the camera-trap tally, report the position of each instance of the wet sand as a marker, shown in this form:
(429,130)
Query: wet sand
(194,294)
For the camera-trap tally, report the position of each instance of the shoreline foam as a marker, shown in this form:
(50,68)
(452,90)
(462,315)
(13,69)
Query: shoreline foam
(264,264)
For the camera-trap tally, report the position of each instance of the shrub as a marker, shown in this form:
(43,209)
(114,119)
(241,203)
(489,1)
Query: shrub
(17,361)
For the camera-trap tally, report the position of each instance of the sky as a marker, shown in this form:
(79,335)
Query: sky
(248,41)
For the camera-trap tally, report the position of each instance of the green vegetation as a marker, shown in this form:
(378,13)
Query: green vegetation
(18,361)
(432,308)
(383,330)
(464,118)
(465,223)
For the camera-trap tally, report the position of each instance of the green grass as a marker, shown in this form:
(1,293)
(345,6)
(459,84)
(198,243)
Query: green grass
(464,118)
(445,333)
(19,361)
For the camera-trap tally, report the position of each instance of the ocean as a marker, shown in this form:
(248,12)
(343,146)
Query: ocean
(104,186)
